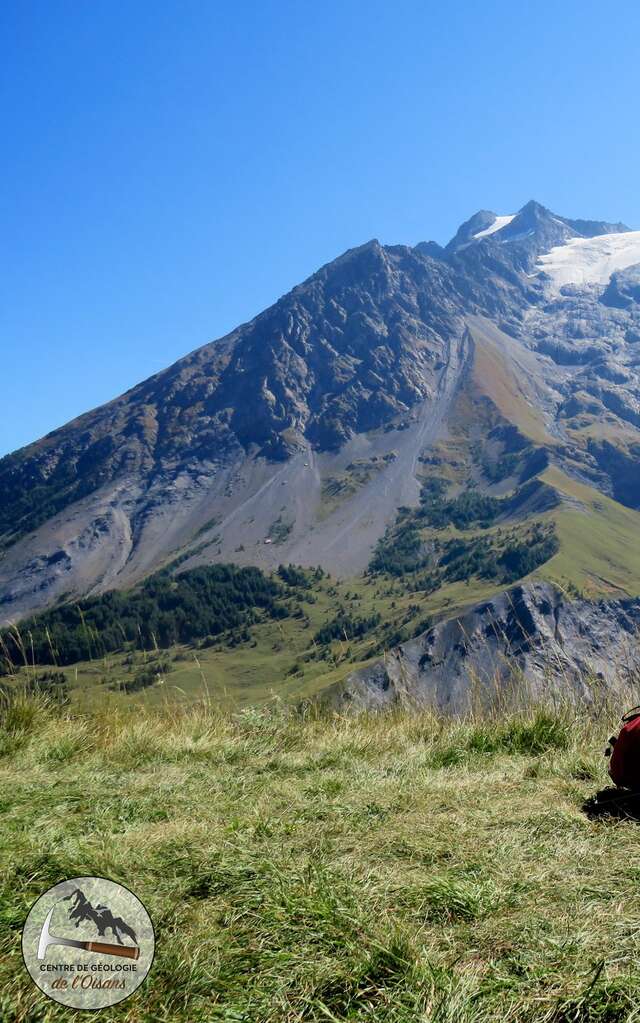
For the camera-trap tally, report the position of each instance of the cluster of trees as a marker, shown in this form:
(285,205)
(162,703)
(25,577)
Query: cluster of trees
(346,626)
(486,558)
(400,550)
(148,675)
(299,577)
(464,558)
(165,609)
(471,508)
(403,552)
(520,558)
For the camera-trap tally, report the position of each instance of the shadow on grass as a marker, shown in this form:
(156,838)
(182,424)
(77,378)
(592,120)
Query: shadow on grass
(613,802)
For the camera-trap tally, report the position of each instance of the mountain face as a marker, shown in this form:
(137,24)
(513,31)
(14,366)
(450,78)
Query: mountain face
(511,354)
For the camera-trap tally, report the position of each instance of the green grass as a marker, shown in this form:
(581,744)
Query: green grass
(392,869)
(599,550)
(502,380)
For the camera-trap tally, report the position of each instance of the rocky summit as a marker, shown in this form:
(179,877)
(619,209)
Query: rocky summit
(401,401)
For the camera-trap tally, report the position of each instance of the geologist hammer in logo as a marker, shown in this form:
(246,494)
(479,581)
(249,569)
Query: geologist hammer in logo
(47,939)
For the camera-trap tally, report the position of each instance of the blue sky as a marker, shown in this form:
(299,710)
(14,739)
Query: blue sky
(171,168)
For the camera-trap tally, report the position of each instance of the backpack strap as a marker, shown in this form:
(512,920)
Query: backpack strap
(631,715)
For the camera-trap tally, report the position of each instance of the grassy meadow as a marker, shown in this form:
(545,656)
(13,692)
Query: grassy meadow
(389,869)
(280,658)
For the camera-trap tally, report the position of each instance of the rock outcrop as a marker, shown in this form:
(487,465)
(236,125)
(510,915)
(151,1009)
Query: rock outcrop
(530,641)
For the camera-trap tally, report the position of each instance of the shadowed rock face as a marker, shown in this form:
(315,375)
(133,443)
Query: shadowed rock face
(528,640)
(623,289)
(378,340)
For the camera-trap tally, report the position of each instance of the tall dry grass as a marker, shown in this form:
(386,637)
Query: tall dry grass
(301,866)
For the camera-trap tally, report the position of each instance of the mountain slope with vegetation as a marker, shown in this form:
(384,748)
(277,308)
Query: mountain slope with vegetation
(407,433)
(301,633)
(296,438)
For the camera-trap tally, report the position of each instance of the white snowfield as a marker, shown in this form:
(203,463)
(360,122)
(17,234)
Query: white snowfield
(497,225)
(591,260)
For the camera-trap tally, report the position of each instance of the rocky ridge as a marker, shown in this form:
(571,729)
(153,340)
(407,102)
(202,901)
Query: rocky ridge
(367,362)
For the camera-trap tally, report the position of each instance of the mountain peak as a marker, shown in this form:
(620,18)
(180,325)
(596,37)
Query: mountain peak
(533,207)
(309,422)
(471,228)
(534,227)
(534,212)
(534,221)
(485,224)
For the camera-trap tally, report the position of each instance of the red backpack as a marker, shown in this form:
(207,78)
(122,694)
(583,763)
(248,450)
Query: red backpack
(624,765)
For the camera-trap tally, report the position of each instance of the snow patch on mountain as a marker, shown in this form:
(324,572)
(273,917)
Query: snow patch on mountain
(591,260)
(497,225)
